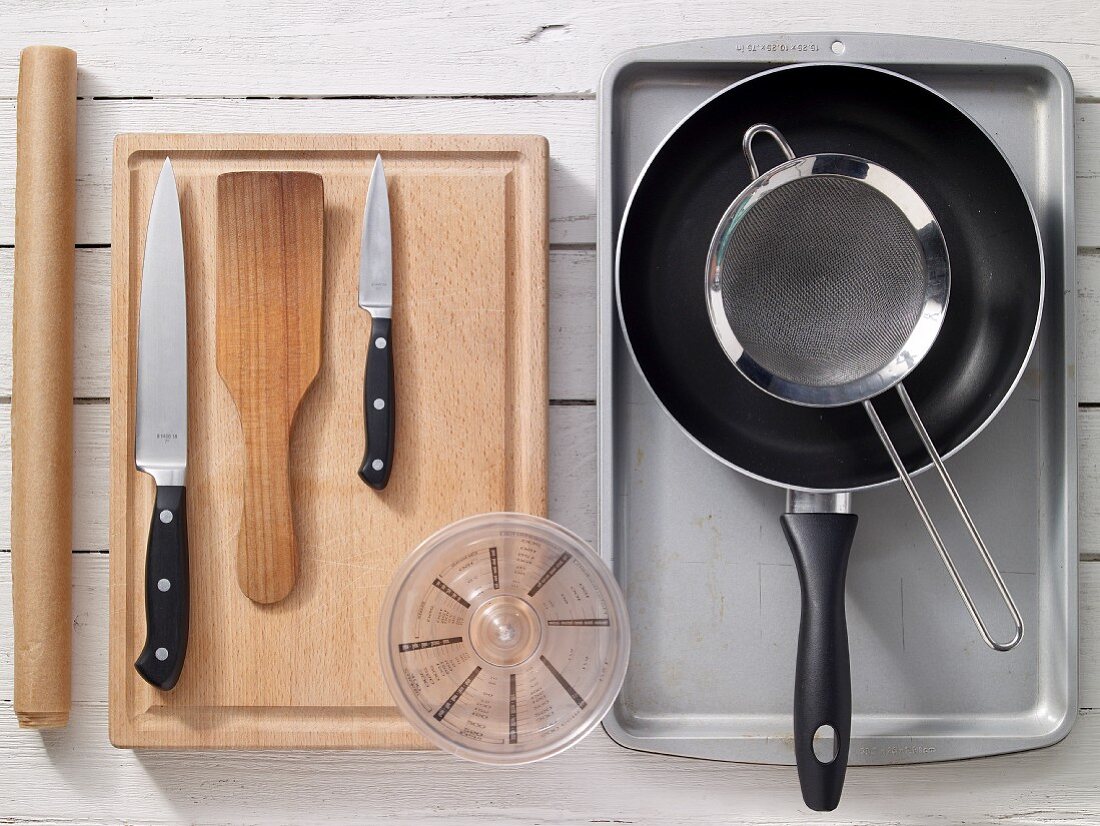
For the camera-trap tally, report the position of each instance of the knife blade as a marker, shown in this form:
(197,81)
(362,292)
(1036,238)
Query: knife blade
(160,447)
(376,297)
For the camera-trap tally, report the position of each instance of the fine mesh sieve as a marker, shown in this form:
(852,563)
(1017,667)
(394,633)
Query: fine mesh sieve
(840,289)
(827,278)
(827,283)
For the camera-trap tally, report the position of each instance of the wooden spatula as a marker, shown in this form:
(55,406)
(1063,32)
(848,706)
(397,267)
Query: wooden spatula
(270,272)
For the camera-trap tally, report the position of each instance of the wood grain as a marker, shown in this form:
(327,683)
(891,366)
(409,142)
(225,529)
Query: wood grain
(469,257)
(270,284)
(490,47)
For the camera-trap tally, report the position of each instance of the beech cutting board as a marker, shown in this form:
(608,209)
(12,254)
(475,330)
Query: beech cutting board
(470,256)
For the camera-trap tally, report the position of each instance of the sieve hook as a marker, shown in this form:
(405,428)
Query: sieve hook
(907,480)
(767,129)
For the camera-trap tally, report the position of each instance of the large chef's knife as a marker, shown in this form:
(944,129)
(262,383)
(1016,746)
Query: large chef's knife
(376,297)
(161,441)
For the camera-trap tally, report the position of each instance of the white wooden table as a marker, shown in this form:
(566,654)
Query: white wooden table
(491,66)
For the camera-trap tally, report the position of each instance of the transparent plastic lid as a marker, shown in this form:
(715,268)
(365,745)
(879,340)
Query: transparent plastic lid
(504,638)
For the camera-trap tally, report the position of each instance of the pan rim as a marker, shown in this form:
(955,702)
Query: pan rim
(626,333)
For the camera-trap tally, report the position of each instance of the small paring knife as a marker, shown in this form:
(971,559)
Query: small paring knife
(161,435)
(376,297)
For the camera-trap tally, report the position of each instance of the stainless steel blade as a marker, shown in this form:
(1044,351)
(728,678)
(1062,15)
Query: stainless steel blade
(161,441)
(376,248)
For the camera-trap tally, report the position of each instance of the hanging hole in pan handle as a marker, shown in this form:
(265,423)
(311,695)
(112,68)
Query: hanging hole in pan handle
(767,129)
(930,525)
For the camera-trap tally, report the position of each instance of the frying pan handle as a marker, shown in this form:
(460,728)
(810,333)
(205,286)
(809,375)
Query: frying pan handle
(767,129)
(960,506)
(820,544)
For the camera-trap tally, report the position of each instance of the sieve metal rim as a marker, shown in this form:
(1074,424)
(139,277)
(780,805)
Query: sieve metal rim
(937,283)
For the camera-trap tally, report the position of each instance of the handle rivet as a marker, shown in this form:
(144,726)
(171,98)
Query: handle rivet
(377,464)
(379,404)
(166,516)
(162,654)
(163,585)
(380,343)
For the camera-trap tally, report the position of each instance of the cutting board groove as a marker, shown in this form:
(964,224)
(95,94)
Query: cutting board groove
(469,223)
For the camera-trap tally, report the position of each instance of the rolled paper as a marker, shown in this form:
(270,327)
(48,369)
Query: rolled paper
(42,385)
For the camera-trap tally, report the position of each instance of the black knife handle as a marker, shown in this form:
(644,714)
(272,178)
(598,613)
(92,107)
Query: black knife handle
(167,597)
(378,405)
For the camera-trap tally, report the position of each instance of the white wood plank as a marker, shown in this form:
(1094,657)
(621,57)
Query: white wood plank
(570,126)
(1088,642)
(342,47)
(1088,480)
(75,774)
(1088,327)
(1087,172)
(573,469)
(572,324)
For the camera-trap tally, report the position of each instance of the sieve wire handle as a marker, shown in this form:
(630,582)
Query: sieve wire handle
(767,129)
(907,480)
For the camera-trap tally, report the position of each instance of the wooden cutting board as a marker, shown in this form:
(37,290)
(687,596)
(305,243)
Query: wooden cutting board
(470,250)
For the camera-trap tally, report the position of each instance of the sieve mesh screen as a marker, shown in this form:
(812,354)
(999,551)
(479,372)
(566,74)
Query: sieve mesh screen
(822,280)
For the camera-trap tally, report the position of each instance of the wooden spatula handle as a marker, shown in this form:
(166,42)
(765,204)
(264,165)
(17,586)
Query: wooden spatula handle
(270,263)
(267,551)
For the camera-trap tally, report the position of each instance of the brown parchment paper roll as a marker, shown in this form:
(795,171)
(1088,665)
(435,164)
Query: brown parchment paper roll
(42,385)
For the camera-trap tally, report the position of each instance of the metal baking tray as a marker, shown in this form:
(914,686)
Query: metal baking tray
(712,594)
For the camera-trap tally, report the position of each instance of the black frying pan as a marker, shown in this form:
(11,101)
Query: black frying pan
(976,361)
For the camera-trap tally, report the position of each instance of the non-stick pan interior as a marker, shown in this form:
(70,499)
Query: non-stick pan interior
(996,272)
